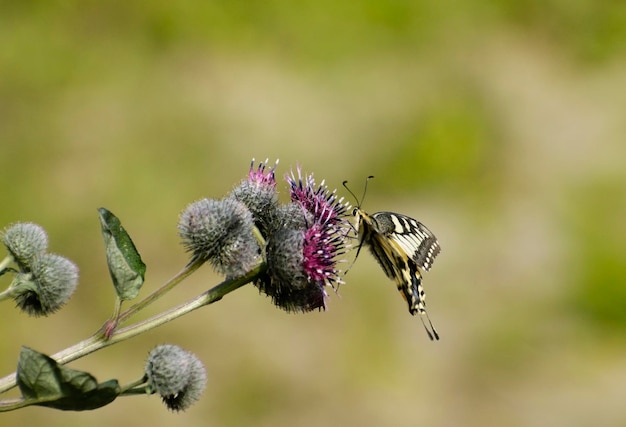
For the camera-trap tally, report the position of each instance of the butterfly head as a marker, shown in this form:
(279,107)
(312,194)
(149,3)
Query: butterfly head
(358,215)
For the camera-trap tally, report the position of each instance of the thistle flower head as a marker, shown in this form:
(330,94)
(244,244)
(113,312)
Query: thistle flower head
(323,204)
(286,281)
(220,231)
(24,241)
(302,255)
(258,193)
(322,245)
(177,375)
(325,235)
(263,175)
(48,286)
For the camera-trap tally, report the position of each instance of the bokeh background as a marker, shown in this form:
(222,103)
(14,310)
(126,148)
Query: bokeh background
(499,124)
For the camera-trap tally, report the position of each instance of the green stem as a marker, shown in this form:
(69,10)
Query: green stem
(13,404)
(136,387)
(182,275)
(6,294)
(144,389)
(5,262)
(97,341)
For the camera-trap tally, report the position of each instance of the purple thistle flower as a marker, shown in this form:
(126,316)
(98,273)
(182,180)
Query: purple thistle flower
(286,281)
(260,176)
(302,255)
(323,204)
(321,247)
(324,237)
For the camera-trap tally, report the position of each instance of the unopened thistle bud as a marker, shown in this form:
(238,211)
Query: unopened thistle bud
(177,375)
(221,232)
(25,241)
(47,287)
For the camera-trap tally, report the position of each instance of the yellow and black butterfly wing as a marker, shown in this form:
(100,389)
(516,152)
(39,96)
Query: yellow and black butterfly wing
(405,249)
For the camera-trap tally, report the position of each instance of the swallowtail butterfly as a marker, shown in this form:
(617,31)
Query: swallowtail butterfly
(405,249)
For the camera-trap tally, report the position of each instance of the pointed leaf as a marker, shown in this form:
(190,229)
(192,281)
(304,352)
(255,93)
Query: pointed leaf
(37,375)
(46,383)
(125,264)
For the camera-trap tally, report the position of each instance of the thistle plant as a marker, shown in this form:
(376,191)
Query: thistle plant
(289,251)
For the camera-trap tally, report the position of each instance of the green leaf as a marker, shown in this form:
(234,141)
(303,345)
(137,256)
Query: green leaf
(125,264)
(37,375)
(46,383)
(103,394)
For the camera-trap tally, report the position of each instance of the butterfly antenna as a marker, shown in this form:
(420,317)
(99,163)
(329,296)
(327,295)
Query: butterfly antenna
(345,185)
(365,189)
(359,201)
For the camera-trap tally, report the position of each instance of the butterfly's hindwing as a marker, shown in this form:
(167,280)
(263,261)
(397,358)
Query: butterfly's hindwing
(404,248)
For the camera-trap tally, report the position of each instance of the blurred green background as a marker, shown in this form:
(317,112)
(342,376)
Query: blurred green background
(499,124)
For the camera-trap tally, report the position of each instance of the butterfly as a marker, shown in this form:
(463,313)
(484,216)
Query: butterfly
(405,249)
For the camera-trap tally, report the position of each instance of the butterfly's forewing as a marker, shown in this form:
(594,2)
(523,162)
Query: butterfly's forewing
(411,236)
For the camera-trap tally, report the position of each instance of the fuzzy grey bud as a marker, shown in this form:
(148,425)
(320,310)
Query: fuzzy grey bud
(221,232)
(47,287)
(24,241)
(177,375)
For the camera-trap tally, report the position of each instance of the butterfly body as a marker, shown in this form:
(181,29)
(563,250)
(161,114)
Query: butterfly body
(405,249)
